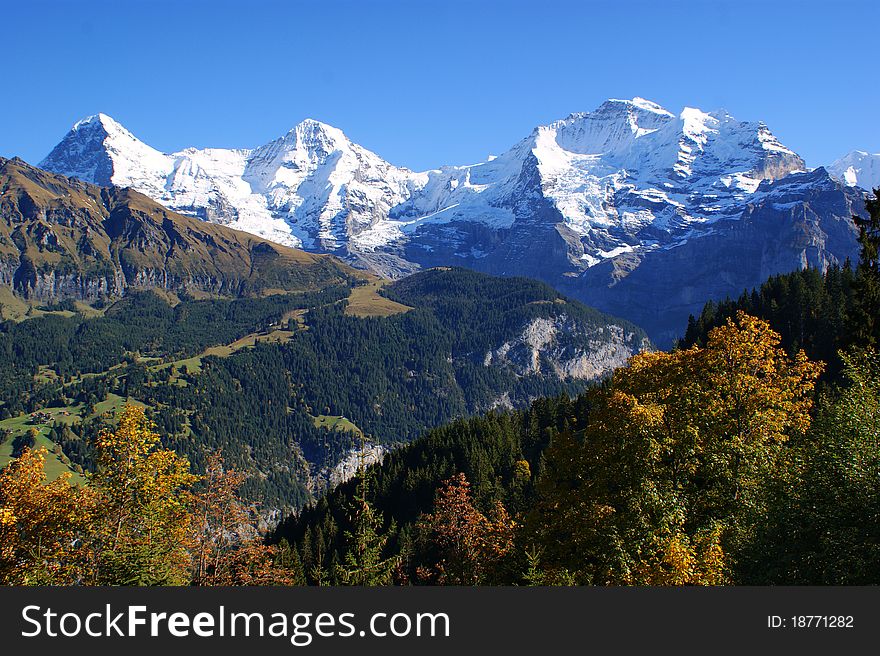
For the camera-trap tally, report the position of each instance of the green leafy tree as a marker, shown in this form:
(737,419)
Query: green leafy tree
(824,525)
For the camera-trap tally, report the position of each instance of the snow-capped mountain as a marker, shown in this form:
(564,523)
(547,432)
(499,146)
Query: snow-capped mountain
(299,190)
(858,169)
(581,203)
(626,169)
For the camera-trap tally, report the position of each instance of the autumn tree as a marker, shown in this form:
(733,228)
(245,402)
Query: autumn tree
(42,524)
(143,492)
(466,546)
(226,547)
(218,520)
(666,480)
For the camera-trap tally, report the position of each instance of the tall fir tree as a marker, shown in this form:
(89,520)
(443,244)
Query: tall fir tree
(363,563)
(867,299)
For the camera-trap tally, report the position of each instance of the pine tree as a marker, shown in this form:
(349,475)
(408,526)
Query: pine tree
(287,558)
(363,562)
(867,299)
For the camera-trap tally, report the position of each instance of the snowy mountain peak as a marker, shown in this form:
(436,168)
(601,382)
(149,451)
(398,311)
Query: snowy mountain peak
(98,120)
(611,128)
(98,149)
(312,128)
(612,175)
(858,169)
(640,104)
(314,136)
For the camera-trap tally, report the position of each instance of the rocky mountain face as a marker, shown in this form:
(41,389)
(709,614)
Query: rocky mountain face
(632,208)
(520,327)
(64,238)
(803,220)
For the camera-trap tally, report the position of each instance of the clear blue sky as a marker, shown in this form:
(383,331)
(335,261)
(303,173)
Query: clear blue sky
(429,82)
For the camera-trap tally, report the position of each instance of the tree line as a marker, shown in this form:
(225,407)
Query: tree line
(392,377)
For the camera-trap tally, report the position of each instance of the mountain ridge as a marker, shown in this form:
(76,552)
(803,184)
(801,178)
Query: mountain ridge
(333,194)
(64,238)
(581,203)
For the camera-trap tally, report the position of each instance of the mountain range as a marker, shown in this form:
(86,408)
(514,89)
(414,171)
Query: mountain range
(631,208)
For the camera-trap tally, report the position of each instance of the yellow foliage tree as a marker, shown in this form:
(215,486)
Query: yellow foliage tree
(143,534)
(41,524)
(670,467)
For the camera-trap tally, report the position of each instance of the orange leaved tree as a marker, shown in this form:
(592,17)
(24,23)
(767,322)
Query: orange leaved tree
(42,525)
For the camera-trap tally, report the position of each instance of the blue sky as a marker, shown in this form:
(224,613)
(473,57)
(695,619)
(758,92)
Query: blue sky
(425,83)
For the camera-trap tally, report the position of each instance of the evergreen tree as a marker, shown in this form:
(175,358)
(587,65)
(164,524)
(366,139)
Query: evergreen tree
(287,558)
(867,300)
(365,541)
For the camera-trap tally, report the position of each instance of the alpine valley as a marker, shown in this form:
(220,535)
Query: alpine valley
(284,360)
(630,208)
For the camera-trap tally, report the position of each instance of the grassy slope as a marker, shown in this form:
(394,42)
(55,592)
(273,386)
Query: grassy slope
(336,422)
(70,415)
(194,364)
(365,301)
(97,232)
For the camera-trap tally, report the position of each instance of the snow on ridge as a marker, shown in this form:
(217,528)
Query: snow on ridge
(610,173)
(858,168)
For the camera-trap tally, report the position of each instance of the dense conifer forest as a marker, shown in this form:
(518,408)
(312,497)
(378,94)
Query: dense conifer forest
(286,385)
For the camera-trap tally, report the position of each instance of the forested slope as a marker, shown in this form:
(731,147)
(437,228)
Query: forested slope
(288,385)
